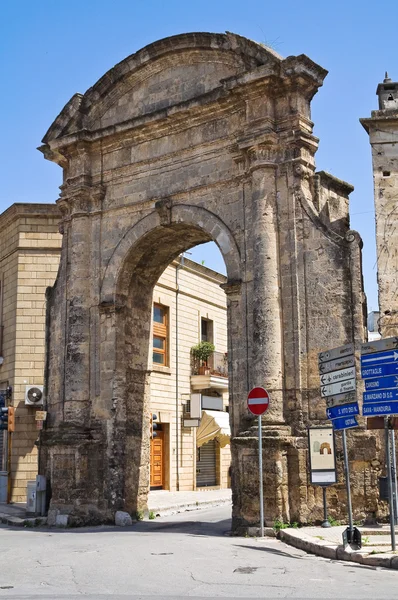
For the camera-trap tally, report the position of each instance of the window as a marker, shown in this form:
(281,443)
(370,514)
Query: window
(206,334)
(160,335)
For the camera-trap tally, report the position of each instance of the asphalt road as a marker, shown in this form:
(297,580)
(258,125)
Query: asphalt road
(187,555)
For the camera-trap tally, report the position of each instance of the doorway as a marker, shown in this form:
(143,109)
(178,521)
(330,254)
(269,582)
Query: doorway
(157,461)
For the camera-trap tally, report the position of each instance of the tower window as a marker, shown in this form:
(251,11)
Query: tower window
(386,173)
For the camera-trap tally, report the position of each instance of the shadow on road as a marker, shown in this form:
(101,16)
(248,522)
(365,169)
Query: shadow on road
(193,528)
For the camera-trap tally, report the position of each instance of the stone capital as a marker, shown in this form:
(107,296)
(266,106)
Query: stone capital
(80,198)
(232,289)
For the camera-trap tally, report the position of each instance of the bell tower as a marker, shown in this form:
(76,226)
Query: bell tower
(382,128)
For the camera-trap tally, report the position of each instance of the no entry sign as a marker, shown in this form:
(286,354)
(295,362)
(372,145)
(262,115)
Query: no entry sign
(258,401)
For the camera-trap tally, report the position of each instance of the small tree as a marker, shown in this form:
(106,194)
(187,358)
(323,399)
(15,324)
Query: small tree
(202,352)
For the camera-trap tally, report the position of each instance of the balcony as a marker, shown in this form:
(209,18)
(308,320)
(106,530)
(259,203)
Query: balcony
(212,374)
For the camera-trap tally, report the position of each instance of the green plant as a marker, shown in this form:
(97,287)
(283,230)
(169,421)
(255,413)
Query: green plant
(295,525)
(320,537)
(28,523)
(365,540)
(334,522)
(279,524)
(139,515)
(203,351)
(151,515)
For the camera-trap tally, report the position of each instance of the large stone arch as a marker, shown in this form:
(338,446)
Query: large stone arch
(114,281)
(196,137)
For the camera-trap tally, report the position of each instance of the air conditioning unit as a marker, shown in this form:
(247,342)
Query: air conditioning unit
(34,395)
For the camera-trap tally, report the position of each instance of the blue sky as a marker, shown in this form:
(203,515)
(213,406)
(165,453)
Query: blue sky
(51,49)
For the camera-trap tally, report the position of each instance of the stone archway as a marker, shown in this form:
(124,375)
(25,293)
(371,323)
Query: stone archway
(194,138)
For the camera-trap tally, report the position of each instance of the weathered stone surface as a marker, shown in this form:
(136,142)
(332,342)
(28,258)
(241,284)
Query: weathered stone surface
(195,138)
(123,519)
(382,128)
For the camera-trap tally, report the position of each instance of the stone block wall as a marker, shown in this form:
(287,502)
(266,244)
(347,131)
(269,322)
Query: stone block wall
(29,258)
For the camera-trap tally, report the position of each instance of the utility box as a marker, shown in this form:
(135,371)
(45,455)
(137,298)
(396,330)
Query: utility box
(3,486)
(31,498)
(41,486)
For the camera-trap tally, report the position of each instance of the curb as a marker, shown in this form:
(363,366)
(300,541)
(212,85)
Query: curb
(337,552)
(189,506)
(19,522)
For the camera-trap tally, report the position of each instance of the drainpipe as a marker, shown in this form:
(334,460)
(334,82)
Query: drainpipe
(179,266)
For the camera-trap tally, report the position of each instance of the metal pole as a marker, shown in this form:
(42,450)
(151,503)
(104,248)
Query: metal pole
(347,481)
(325,509)
(260,466)
(390,492)
(394,475)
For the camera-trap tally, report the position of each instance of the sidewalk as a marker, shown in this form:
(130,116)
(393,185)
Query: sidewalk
(376,544)
(160,502)
(163,503)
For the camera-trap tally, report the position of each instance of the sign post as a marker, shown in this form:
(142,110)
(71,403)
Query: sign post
(258,402)
(379,369)
(338,387)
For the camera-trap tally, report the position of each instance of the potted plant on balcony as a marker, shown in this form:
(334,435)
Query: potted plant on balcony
(201,353)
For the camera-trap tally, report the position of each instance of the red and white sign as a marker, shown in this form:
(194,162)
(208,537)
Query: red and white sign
(258,401)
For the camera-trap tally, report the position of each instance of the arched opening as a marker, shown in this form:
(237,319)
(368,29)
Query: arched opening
(164,310)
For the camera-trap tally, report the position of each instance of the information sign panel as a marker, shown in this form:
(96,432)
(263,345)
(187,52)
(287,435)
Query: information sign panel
(322,455)
(340,399)
(369,360)
(380,396)
(342,411)
(339,352)
(338,388)
(379,370)
(336,376)
(345,423)
(335,365)
(382,383)
(381,408)
(380,345)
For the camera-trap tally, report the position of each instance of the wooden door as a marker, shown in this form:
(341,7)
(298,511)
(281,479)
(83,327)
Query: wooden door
(156,471)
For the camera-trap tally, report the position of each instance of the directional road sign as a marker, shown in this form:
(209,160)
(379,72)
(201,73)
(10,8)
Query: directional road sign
(380,345)
(339,352)
(380,396)
(340,399)
(382,408)
(335,365)
(342,411)
(258,401)
(335,376)
(345,423)
(380,370)
(369,360)
(338,388)
(382,383)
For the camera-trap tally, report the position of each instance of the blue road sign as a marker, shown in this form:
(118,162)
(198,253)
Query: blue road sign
(345,423)
(380,370)
(370,360)
(380,396)
(380,409)
(382,383)
(342,411)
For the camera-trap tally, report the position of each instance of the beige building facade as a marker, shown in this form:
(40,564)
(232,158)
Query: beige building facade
(194,305)
(29,257)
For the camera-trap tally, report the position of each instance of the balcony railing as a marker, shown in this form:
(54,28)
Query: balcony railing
(217,365)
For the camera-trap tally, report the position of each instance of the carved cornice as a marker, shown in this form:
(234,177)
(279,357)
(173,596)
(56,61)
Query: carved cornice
(232,289)
(78,198)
